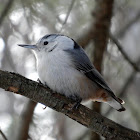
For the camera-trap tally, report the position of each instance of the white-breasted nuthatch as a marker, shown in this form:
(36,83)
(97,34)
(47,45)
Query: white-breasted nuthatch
(65,68)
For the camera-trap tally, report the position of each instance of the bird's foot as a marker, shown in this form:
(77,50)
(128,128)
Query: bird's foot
(45,107)
(42,83)
(38,80)
(77,104)
(77,100)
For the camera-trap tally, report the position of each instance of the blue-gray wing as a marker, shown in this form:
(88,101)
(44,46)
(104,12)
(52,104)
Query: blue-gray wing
(83,64)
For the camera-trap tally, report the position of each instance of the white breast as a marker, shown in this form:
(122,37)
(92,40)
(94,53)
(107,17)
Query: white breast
(56,70)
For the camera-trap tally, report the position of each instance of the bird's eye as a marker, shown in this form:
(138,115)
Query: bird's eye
(45,42)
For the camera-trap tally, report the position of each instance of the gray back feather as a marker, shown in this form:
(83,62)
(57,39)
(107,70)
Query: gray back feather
(83,64)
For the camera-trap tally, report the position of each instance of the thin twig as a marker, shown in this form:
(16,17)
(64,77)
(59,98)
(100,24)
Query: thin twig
(128,25)
(134,65)
(6,10)
(67,15)
(3,135)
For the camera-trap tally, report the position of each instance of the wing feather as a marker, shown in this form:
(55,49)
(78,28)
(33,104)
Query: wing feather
(83,64)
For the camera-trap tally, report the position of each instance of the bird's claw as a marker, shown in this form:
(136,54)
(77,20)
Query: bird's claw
(42,83)
(77,104)
(44,107)
(38,80)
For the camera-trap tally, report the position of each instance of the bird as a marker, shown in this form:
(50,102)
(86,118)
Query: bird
(64,67)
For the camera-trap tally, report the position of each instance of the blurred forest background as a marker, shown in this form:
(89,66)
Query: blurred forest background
(118,58)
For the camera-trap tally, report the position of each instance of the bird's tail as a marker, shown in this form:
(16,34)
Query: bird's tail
(109,98)
(116,103)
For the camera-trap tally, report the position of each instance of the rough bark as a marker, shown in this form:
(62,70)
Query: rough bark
(18,84)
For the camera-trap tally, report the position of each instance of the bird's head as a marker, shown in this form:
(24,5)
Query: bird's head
(51,42)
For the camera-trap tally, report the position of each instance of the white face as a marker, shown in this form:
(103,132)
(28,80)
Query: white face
(51,42)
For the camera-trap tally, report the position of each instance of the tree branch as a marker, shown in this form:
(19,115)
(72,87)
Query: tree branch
(18,84)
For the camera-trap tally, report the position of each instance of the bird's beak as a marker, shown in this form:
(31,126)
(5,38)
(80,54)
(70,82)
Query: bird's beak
(28,46)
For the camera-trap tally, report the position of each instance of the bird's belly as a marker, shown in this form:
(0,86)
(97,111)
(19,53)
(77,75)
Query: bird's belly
(68,81)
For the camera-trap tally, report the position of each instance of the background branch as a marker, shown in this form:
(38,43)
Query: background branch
(91,119)
(67,15)
(101,27)
(26,120)
(3,135)
(119,46)
(6,10)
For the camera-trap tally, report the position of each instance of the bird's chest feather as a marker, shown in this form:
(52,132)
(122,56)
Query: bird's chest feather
(55,70)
